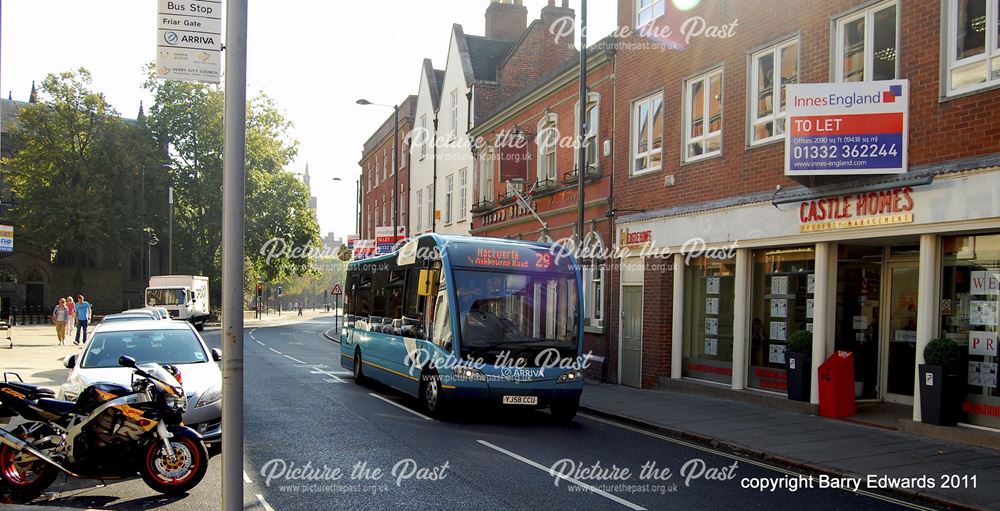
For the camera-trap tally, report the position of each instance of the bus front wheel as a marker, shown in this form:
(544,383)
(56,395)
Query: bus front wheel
(564,411)
(430,394)
(359,376)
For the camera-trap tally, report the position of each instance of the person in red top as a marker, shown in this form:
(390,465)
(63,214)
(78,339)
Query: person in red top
(71,321)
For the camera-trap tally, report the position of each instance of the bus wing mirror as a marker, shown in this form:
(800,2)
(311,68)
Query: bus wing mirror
(428,278)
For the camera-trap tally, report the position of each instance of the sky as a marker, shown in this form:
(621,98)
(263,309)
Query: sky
(314,57)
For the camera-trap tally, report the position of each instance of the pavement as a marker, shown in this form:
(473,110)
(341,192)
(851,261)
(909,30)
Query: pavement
(820,445)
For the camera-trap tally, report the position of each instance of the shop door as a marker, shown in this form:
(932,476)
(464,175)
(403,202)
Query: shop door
(631,350)
(900,340)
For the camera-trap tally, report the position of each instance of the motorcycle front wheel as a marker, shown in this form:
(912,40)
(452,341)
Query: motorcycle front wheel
(175,475)
(24,474)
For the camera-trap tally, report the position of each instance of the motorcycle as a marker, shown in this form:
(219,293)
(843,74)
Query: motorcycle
(111,432)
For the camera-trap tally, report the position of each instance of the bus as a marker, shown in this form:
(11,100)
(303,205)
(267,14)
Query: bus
(448,319)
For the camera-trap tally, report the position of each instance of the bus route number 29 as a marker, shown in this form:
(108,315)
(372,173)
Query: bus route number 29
(543,261)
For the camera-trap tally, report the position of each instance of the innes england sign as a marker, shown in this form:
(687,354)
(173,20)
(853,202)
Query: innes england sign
(856,128)
(189,40)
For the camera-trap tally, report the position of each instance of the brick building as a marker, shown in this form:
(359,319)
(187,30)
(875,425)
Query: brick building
(527,141)
(876,265)
(377,172)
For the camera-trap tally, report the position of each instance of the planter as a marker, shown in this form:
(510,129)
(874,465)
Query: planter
(940,395)
(798,368)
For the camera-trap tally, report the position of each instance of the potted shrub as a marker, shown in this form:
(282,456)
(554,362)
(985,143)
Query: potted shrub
(940,385)
(798,360)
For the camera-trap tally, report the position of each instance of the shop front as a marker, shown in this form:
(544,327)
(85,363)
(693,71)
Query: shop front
(878,271)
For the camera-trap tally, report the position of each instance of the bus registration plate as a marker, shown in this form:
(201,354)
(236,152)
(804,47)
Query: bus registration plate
(520,400)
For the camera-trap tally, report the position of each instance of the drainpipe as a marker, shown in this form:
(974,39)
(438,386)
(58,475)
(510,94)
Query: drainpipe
(434,185)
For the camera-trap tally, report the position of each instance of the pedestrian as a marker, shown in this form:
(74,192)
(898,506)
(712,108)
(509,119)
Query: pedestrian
(71,316)
(59,316)
(83,314)
(300,308)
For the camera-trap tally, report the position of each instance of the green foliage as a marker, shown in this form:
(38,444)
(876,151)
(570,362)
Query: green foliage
(76,171)
(800,342)
(942,352)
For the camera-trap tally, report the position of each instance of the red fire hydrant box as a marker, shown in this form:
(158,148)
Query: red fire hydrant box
(836,385)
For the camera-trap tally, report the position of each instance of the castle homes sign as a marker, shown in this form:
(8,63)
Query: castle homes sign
(857,128)
(189,40)
(867,209)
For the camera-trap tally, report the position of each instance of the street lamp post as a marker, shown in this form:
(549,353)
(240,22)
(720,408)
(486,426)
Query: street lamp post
(395,164)
(170,232)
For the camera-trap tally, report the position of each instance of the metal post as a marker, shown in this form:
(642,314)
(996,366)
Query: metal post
(142,224)
(357,210)
(581,168)
(434,182)
(170,232)
(233,188)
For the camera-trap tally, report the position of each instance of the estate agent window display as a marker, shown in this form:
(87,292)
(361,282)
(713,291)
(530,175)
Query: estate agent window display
(782,303)
(709,293)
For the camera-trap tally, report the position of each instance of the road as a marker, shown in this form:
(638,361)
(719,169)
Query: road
(305,419)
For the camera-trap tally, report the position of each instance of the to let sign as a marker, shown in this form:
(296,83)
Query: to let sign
(857,128)
(189,40)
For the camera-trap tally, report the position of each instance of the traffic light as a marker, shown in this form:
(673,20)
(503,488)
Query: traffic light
(260,290)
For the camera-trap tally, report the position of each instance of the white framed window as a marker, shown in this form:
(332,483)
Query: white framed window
(454,113)
(647,10)
(486,169)
(703,116)
(973,34)
(385,166)
(647,134)
(866,44)
(547,140)
(590,138)
(449,192)
(424,136)
(462,201)
(593,293)
(770,70)
(420,210)
(378,217)
(429,194)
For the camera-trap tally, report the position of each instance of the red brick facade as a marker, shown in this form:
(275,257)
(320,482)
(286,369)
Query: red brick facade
(376,172)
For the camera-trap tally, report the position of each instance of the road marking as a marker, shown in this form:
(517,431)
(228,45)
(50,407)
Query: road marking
(258,342)
(745,460)
(317,370)
(294,359)
(246,478)
(267,507)
(274,350)
(252,330)
(581,484)
(401,407)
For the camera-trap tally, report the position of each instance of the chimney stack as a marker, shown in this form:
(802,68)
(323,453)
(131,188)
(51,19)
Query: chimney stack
(506,20)
(551,13)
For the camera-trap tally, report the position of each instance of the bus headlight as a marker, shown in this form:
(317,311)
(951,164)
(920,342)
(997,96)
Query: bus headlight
(570,376)
(463,373)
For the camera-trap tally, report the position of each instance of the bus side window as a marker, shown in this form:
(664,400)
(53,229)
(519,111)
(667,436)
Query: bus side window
(379,279)
(441,334)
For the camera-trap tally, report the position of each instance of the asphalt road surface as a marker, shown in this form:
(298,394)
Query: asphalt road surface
(315,440)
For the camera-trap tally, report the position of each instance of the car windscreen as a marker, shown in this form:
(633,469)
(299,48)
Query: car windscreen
(145,346)
(165,297)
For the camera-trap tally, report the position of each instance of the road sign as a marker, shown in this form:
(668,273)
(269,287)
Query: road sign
(337,289)
(189,40)
(856,128)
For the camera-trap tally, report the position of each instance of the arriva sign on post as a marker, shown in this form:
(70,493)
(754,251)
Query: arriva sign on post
(857,128)
(189,40)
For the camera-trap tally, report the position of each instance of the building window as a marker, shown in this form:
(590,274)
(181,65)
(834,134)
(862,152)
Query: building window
(770,71)
(970,292)
(378,217)
(866,44)
(430,206)
(449,192)
(709,297)
(703,116)
(547,140)
(420,210)
(647,10)
(593,293)
(424,136)
(647,134)
(462,204)
(385,166)
(486,175)
(782,282)
(590,138)
(454,113)
(973,32)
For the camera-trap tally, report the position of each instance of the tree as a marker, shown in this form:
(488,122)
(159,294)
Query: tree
(76,171)
(188,117)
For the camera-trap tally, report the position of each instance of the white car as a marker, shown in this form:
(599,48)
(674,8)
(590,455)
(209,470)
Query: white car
(153,314)
(162,311)
(165,342)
